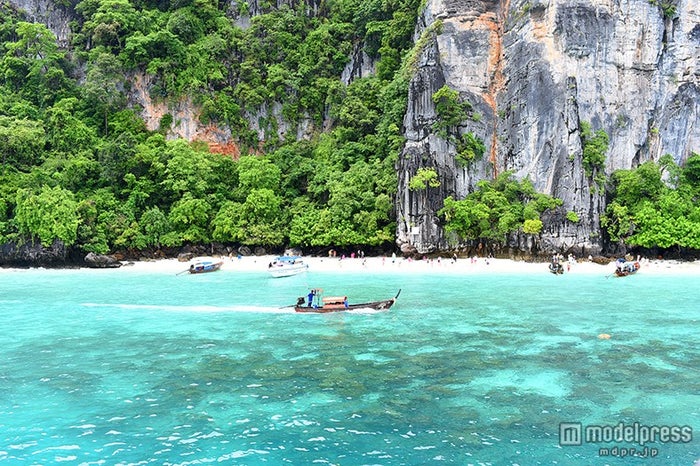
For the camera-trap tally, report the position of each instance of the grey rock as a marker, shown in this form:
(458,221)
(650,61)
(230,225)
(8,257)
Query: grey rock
(101,261)
(53,14)
(33,254)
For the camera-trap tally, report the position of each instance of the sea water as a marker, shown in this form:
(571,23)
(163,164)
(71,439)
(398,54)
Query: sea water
(128,366)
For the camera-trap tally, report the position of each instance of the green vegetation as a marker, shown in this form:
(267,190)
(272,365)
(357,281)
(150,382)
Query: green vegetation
(668,9)
(469,148)
(79,166)
(572,217)
(648,212)
(595,146)
(451,113)
(423,179)
(532,226)
(496,209)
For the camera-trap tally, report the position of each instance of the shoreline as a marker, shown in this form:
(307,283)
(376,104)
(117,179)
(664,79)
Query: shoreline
(388,265)
(398,265)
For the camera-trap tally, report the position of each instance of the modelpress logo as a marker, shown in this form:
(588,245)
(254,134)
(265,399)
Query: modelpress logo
(570,434)
(574,434)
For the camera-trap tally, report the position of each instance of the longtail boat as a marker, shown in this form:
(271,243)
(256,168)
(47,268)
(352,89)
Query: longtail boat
(319,304)
(205,264)
(624,268)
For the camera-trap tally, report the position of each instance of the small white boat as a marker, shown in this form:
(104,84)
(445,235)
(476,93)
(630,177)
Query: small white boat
(285,266)
(205,264)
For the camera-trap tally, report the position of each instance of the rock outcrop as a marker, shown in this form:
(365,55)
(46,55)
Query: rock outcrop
(534,72)
(55,15)
(33,254)
(101,261)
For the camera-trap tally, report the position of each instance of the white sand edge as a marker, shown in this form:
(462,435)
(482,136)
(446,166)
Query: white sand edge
(382,265)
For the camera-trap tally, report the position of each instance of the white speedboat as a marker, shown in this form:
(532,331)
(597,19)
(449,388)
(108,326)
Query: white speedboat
(285,266)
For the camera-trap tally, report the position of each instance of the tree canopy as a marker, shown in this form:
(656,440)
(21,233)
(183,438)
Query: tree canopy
(496,209)
(78,164)
(656,205)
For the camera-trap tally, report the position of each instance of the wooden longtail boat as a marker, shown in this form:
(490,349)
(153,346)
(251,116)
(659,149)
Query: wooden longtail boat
(319,304)
(556,268)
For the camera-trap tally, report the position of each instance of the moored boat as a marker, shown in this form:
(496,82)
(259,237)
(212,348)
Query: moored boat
(319,304)
(556,268)
(624,267)
(285,266)
(205,264)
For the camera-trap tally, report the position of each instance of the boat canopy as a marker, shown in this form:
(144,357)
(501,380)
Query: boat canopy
(287,258)
(334,299)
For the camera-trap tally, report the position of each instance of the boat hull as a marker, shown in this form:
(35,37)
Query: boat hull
(288,270)
(286,266)
(556,269)
(624,273)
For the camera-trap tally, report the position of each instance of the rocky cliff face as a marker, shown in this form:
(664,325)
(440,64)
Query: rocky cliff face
(32,254)
(534,71)
(54,15)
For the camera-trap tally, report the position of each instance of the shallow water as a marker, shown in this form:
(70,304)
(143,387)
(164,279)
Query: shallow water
(129,366)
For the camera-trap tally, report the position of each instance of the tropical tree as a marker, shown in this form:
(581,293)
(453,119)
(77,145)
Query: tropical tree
(48,215)
(644,211)
(103,86)
(425,177)
(107,22)
(189,219)
(21,142)
(595,147)
(66,132)
(496,209)
(33,65)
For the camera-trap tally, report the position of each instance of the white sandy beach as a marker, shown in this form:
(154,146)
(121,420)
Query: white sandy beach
(381,265)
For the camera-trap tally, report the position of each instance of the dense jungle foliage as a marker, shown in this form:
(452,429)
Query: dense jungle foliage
(656,205)
(79,165)
(496,209)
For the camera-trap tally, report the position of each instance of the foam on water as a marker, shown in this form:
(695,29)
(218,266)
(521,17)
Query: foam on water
(194,308)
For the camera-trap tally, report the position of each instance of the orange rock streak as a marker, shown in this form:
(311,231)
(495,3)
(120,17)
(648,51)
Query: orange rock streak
(494,24)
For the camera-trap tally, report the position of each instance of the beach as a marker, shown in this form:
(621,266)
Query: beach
(401,265)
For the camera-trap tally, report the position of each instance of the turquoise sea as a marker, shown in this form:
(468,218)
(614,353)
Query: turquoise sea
(130,366)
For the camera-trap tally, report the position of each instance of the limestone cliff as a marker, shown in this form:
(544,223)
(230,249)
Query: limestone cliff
(54,15)
(534,71)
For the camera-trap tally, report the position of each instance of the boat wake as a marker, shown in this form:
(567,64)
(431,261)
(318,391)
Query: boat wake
(194,308)
(366,310)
